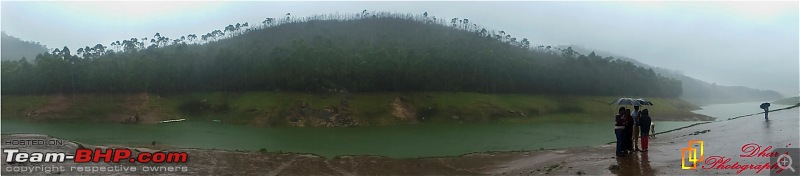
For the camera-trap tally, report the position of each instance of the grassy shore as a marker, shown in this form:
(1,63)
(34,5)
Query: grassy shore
(788,101)
(330,109)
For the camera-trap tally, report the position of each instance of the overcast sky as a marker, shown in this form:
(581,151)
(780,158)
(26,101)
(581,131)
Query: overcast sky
(752,44)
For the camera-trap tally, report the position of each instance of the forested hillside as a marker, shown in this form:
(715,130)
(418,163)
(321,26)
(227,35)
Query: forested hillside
(365,52)
(14,48)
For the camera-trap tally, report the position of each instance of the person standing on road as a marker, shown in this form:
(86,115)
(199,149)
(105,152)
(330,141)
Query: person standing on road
(635,115)
(619,130)
(644,126)
(628,131)
(765,106)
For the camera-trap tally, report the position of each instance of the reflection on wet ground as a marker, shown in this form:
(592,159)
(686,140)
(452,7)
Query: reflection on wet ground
(637,163)
(723,138)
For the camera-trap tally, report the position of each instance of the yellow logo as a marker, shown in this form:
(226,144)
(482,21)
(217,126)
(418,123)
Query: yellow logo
(690,154)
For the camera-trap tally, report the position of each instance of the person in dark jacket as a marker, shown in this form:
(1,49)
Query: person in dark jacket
(619,129)
(628,131)
(765,107)
(635,137)
(644,128)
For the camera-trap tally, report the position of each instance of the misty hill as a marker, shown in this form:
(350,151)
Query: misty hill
(788,101)
(699,91)
(14,48)
(353,53)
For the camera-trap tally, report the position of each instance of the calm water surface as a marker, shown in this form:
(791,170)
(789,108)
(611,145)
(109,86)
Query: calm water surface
(420,140)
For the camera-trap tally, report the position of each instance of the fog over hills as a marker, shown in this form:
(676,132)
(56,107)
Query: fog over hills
(695,90)
(14,48)
(287,37)
(363,52)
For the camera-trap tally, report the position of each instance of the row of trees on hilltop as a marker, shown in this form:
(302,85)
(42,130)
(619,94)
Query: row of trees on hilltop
(367,51)
(233,30)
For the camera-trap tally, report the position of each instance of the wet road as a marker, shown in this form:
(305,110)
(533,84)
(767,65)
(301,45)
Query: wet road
(722,138)
(728,139)
(725,139)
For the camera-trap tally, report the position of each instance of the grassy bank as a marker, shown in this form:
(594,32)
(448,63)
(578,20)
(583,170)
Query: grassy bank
(329,109)
(788,101)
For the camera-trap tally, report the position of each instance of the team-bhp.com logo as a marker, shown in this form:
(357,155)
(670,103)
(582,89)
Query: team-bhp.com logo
(97,155)
(780,159)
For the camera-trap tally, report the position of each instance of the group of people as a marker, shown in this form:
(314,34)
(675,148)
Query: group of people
(629,126)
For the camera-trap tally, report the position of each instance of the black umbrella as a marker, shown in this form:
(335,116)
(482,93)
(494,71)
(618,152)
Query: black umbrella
(764,105)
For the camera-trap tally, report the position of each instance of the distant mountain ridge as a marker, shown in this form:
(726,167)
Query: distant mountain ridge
(695,90)
(14,48)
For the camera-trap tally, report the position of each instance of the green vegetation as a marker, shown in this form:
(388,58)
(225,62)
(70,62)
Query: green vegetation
(95,107)
(325,109)
(19,106)
(360,53)
(788,101)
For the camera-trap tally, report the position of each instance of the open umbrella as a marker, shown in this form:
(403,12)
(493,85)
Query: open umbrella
(764,105)
(643,102)
(631,102)
(625,101)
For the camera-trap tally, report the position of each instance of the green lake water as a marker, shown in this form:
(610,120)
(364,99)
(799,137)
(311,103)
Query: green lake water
(400,141)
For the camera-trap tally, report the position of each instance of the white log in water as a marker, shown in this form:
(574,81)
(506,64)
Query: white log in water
(174,120)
